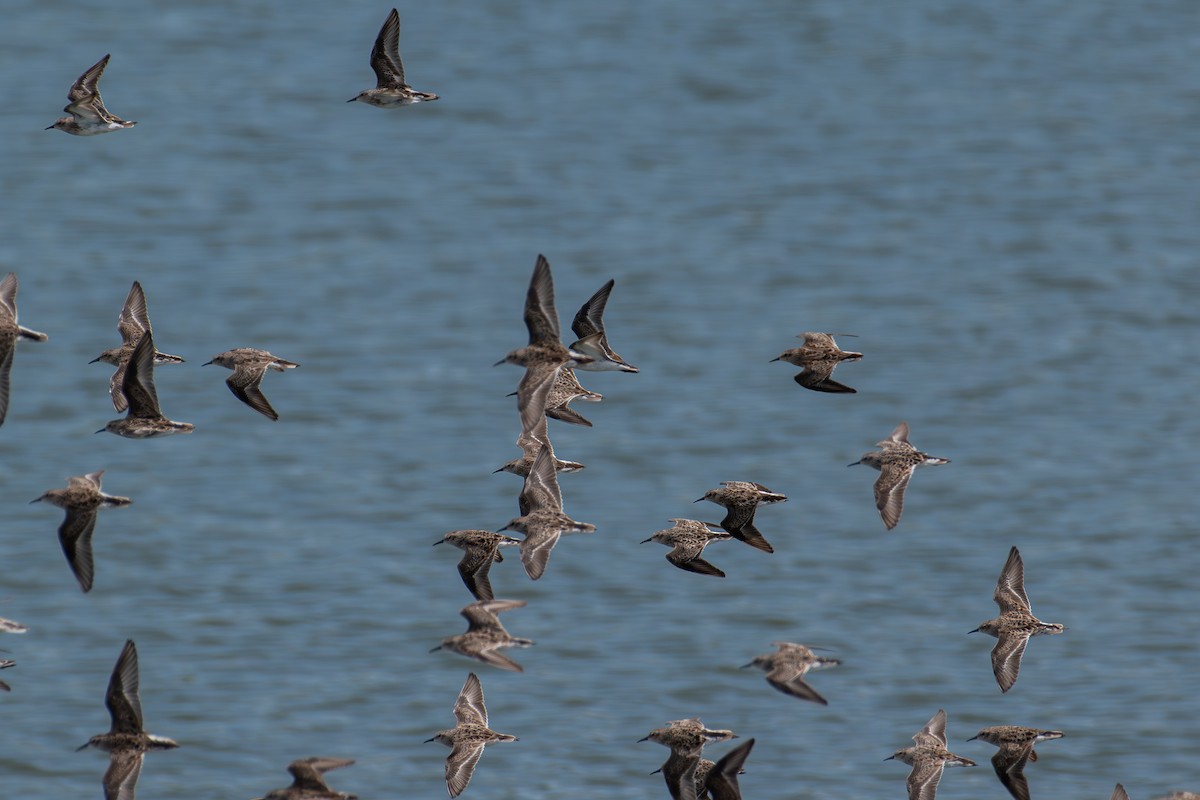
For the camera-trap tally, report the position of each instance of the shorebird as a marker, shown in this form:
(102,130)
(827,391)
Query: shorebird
(144,419)
(719,780)
(11,626)
(566,389)
(131,324)
(82,500)
(545,352)
(896,461)
(485,635)
(588,325)
(741,499)
(1016,748)
(686,739)
(688,539)
(5,663)
(928,757)
(468,737)
(787,667)
(532,400)
(10,331)
(126,740)
(249,366)
(308,781)
(542,519)
(88,114)
(819,356)
(390,89)
(1015,624)
(480,549)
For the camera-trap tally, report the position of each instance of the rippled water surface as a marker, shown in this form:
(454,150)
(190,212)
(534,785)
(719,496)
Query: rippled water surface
(1001,202)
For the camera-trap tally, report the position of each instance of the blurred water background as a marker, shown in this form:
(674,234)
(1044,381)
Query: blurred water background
(1001,201)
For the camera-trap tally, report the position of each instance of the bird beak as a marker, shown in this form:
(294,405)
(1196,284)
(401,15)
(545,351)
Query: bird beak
(434,650)
(50,129)
(974,631)
(497,470)
(973,738)
(651,539)
(889,758)
(38,500)
(498,363)
(206,363)
(434,739)
(82,747)
(639,741)
(744,666)
(351,100)
(100,431)
(773,360)
(439,541)
(697,501)
(94,360)
(855,464)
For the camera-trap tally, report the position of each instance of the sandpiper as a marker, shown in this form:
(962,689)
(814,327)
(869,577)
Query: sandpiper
(1015,624)
(485,635)
(11,626)
(126,740)
(480,549)
(10,331)
(131,324)
(82,500)
(896,461)
(390,89)
(741,499)
(588,325)
(565,389)
(308,781)
(1016,748)
(531,405)
(542,519)
(928,757)
(686,739)
(787,667)
(819,356)
(719,780)
(249,366)
(88,114)
(689,537)
(545,351)
(468,737)
(144,419)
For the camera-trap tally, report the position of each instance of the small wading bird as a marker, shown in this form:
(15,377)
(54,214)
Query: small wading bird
(896,461)
(468,737)
(89,117)
(1016,748)
(928,758)
(10,332)
(819,356)
(82,500)
(131,324)
(1015,624)
(308,782)
(126,740)
(390,89)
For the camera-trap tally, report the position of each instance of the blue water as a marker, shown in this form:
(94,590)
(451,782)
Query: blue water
(1001,203)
